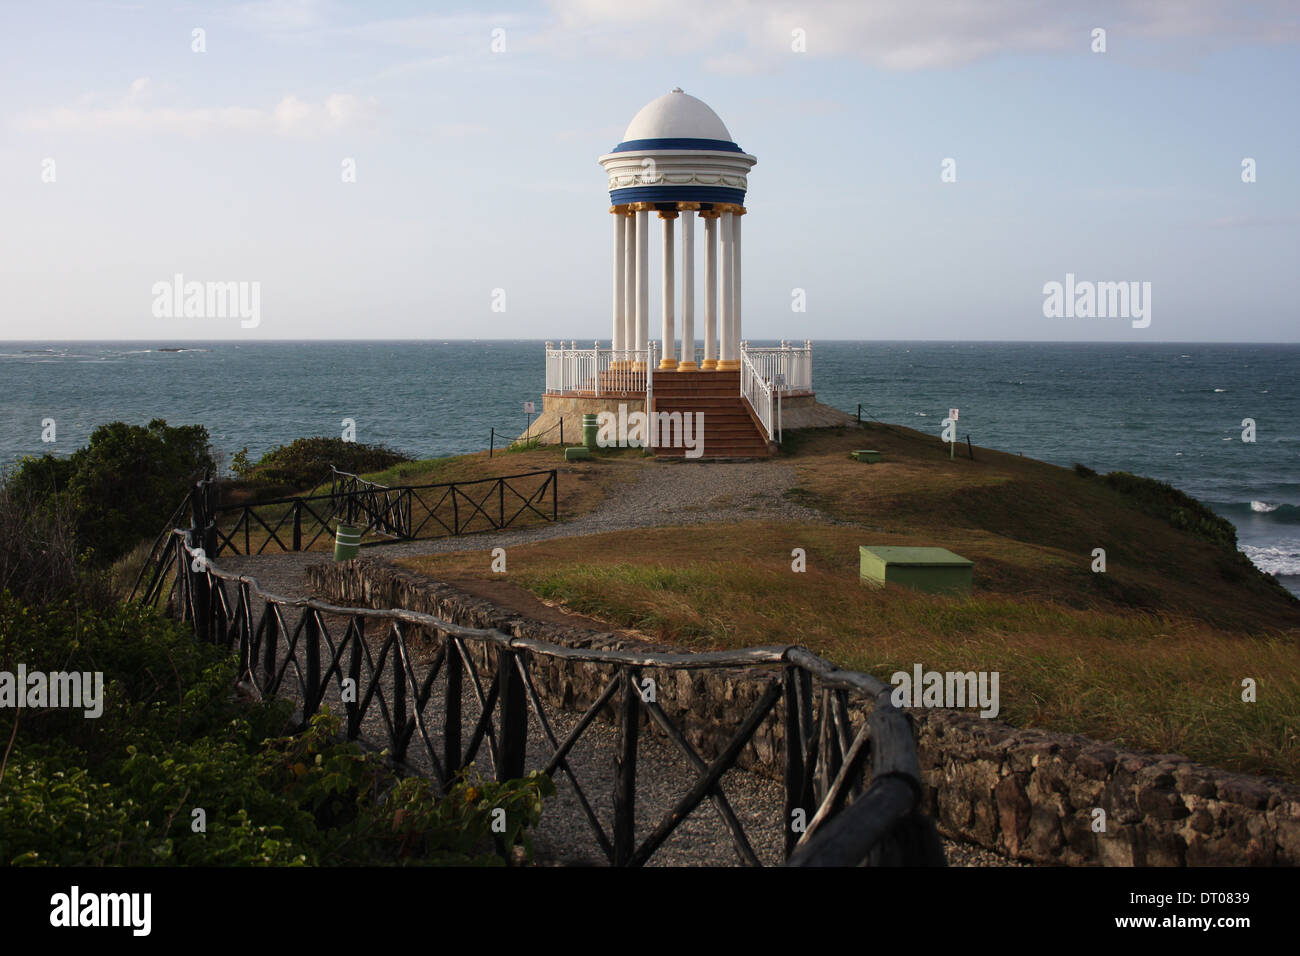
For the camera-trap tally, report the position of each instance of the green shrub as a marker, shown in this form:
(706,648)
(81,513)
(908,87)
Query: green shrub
(120,487)
(305,462)
(123,789)
(1181,510)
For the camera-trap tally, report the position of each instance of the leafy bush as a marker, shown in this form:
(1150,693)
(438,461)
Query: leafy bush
(39,560)
(123,789)
(120,487)
(305,462)
(1083,471)
(1181,510)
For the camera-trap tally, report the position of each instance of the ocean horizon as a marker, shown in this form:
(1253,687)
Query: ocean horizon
(1170,411)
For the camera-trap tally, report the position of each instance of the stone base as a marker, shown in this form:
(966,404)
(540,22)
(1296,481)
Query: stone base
(571,409)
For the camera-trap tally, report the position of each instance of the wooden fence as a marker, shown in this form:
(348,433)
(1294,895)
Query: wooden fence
(404,512)
(851,791)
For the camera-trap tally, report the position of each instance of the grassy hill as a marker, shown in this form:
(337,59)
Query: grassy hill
(1150,654)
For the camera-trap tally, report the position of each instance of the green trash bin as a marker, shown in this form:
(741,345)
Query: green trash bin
(347,542)
(589,429)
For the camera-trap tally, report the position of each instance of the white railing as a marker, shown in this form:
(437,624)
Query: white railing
(597,371)
(788,367)
(763,398)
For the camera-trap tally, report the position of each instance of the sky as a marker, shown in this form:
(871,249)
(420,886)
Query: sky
(429,170)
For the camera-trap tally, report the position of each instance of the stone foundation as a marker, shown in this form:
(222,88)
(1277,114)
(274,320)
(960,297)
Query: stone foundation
(571,409)
(1026,793)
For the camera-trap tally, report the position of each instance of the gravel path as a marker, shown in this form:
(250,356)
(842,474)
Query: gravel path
(671,494)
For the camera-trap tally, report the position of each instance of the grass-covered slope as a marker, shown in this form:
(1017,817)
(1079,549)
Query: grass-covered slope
(1151,653)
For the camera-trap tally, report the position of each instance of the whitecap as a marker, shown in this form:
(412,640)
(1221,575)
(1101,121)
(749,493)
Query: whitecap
(1220,389)
(1274,560)
(1262,506)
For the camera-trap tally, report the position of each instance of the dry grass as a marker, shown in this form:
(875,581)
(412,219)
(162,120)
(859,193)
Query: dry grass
(1161,682)
(1150,654)
(582,487)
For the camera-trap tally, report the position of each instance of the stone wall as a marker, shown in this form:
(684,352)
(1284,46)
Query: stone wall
(1029,794)
(571,408)
(707,705)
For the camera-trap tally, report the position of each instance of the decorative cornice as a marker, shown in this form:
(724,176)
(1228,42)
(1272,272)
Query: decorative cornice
(678,179)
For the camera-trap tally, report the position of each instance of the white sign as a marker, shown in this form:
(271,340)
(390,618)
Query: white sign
(528,408)
(952,413)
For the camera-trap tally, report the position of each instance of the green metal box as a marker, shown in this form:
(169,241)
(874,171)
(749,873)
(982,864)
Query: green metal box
(576,452)
(934,570)
(870,457)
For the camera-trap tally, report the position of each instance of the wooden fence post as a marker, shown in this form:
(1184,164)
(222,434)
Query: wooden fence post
(354,672)
(311,692)
(399,697)
(625,767)
(514,718)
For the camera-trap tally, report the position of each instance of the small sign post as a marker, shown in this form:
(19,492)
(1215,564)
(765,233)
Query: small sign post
(528,421)
(952,446)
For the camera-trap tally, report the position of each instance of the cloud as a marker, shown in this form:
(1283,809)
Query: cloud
(291,116)
(738,36)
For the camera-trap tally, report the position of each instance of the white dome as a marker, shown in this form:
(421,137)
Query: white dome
(676,115)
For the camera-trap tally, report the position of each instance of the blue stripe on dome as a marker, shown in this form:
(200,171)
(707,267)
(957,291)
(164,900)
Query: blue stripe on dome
(676,194)
(636,145)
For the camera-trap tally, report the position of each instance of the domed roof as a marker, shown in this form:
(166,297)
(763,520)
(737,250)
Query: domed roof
(677,150)
(676,115)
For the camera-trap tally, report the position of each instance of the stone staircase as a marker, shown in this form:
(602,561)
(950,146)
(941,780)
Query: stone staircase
(730,428)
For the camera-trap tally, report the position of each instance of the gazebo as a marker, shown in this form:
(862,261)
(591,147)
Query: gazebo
(677,161)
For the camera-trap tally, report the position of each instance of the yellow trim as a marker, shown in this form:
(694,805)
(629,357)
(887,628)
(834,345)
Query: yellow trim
(686,367)
(667,364)
(688,205)
(709,365)
(729,365)
(667,214)
(641,206)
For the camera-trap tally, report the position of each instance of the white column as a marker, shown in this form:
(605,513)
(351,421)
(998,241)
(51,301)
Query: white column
(669,360)
(726,327)
(710,294)
(687,361)
(620,241)
(642,278)
(629,283)
(737,333)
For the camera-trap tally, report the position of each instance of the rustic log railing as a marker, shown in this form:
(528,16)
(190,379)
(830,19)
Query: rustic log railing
(383,507)
(404,512)
(851,792)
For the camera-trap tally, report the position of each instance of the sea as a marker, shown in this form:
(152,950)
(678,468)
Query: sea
(1175,412)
